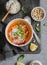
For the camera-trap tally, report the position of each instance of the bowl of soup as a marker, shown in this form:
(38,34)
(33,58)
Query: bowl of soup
(19,32)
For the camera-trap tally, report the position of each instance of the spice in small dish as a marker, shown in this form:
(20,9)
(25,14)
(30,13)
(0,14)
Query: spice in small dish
(38,13)
(16,6)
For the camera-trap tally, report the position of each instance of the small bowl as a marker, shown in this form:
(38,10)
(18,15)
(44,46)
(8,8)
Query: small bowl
(35,15)
(35,61)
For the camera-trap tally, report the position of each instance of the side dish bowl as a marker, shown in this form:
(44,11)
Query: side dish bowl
(38,13)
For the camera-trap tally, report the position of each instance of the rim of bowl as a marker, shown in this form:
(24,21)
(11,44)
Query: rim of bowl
(36,61)
(10,41)
(43,11)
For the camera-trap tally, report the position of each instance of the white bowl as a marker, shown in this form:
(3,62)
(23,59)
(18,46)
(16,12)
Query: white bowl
(41,9)
(35,61)
(7,36)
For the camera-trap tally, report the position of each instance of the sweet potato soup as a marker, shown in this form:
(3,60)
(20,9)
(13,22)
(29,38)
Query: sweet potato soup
(19,32)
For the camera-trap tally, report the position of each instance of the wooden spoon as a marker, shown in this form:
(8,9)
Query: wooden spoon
(11,6)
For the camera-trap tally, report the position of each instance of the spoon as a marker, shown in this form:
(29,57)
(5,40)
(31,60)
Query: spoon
(28,19)
(11,6)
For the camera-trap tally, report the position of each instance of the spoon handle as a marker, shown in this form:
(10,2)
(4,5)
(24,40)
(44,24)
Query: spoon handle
(11,6)
(5,16)
(28,19)
(37,38)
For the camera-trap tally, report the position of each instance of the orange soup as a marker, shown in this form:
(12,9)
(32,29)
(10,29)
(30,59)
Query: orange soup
(19,32)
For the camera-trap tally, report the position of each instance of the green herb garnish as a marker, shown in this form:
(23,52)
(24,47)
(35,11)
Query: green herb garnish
(37,27)
(21,57)
(24,9)
(45,24)
(19,31)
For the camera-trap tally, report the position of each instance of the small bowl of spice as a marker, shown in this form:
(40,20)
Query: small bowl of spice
(38,14)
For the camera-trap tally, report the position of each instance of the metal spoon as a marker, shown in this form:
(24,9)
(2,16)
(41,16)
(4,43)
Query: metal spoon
(28,19)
